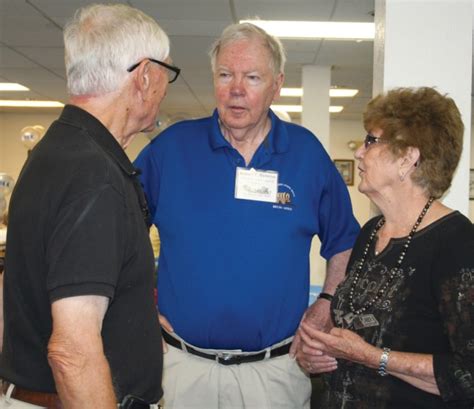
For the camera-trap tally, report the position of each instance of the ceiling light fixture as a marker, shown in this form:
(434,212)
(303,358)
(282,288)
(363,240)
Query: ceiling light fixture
(299,108)
(30,104)
(317,29)
(288,108)
(342,92)
(291,92)
(333,92)
(12,86)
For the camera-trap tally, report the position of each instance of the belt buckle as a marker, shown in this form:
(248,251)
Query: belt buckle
(225,356)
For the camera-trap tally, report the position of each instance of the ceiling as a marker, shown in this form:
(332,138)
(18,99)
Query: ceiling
(31,50)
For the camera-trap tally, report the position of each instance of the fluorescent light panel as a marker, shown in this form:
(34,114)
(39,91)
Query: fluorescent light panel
(288,108)
(299,108)
(291,92)
(342,92)
(316,29)
(30,104)
(333,92)
(12,86)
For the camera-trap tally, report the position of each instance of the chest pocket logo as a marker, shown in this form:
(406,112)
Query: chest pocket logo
(285,197)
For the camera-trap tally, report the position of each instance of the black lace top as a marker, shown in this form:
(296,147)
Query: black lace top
(428,308)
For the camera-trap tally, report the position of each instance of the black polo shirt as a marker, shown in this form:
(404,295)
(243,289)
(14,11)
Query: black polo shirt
(76,227)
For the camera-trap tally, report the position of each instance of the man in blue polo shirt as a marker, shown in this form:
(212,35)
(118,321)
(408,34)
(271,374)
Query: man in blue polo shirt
(237,198)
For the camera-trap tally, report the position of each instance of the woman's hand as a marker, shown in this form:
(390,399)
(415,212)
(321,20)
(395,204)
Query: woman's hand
(416,369)
(340,343)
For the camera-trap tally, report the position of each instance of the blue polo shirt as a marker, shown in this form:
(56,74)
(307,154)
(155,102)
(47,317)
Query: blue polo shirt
(233,273)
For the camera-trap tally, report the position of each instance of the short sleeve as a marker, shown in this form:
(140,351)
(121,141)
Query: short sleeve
(338,226)
(86,248)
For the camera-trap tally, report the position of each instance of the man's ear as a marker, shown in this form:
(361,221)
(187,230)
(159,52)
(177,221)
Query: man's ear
(278,84)
(142,79)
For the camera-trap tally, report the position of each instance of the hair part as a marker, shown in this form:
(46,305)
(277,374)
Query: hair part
(248,31)
(102,41)
(425,119)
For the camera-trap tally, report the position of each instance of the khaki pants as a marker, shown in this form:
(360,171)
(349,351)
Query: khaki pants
(191,382)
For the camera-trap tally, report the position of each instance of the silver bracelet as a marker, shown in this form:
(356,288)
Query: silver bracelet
(383,362)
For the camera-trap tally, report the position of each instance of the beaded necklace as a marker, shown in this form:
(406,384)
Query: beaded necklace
(355,312)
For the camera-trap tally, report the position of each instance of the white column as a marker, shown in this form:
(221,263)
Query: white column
(316,83)
(429,43)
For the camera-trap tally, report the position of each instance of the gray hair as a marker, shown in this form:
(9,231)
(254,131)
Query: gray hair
(248,31)
(102,41)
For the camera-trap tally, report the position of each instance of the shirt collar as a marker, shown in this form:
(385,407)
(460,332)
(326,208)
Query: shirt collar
(276,140)
(82,119)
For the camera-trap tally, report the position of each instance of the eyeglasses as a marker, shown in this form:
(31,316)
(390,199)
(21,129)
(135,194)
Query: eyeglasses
(173,72)
(370,140)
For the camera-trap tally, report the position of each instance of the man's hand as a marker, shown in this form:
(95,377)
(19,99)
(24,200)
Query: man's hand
(309,358)
(318,317)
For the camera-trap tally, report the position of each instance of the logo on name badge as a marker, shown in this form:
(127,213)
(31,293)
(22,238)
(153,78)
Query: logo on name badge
(285,197)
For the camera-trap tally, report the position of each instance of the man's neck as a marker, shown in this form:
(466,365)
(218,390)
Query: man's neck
(111,111)
(247,141)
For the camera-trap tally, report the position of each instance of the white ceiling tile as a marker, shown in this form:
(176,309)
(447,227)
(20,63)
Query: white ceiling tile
(204,10)
(285,9)
(12,59)
(50,57)
(300,57)
(347,53)
(30,31)
(356,11)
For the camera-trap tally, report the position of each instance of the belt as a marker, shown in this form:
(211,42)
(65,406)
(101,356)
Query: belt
(227,358)
(48,400)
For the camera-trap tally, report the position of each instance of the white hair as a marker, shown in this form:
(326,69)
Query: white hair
(248,31)
(102,41)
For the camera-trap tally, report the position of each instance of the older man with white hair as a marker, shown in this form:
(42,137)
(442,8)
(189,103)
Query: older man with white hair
(237,198)
(80,323)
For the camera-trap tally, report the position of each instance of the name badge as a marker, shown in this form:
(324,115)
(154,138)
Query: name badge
(259,185)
